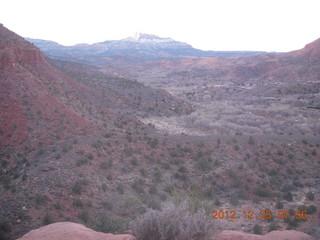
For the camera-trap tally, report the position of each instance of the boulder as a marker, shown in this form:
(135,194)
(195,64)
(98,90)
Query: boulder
(274,235)
(71,231)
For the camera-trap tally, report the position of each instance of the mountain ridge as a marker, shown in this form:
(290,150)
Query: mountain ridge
(140,46)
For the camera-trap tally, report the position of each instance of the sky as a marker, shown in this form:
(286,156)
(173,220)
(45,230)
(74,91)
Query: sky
(221,25)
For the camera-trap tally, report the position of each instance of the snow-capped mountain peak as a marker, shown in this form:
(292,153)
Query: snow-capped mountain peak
(144,36)
(153,41)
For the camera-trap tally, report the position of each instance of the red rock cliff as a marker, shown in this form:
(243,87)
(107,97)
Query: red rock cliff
(15,50)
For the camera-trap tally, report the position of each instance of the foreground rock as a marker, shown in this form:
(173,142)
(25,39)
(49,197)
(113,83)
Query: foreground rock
(70,231)
(274,235)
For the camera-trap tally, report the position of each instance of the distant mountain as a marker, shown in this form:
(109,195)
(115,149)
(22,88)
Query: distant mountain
(138,47)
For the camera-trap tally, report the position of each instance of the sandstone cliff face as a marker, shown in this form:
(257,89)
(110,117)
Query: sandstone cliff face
(16,51)
(71,231)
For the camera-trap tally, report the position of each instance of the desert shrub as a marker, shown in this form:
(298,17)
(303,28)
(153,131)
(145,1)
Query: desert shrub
(143,172)
(310,195)
(286,188)
(217,163)
(47,219)
(154,204)
(5,227)
(77,203)
(132,207)
(107,135)
(217,202)
(106,164)
(90,156)
(311,209)
(134,161)
(109,177)
(77,188)
(41,199)
(273,226)
(97,144)
(279,205)
(82,161)
(251,140)
(157,176)
(293,223)
(84,216)
(107,204)
(24,177)
(257,229)
(109,224)
(180,176)
(120,188)
(104,187)
(137,185)
(57,206)
(262,192)
(203,164)
(209,193)
(234,200)
(153,190)
(173,223)
(316,232)
(288,196)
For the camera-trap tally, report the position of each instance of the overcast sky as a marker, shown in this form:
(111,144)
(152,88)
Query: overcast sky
(268,25)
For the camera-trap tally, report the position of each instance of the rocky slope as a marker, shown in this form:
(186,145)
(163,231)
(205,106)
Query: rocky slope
(73,148)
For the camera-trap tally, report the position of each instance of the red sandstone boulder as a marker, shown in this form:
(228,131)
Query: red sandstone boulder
(71,231)
(274,235)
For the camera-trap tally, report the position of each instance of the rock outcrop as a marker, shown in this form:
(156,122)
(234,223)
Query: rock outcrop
(274,235)
(71,231)
(14,50)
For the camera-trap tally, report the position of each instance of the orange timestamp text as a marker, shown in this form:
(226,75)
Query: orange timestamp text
(264,215)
